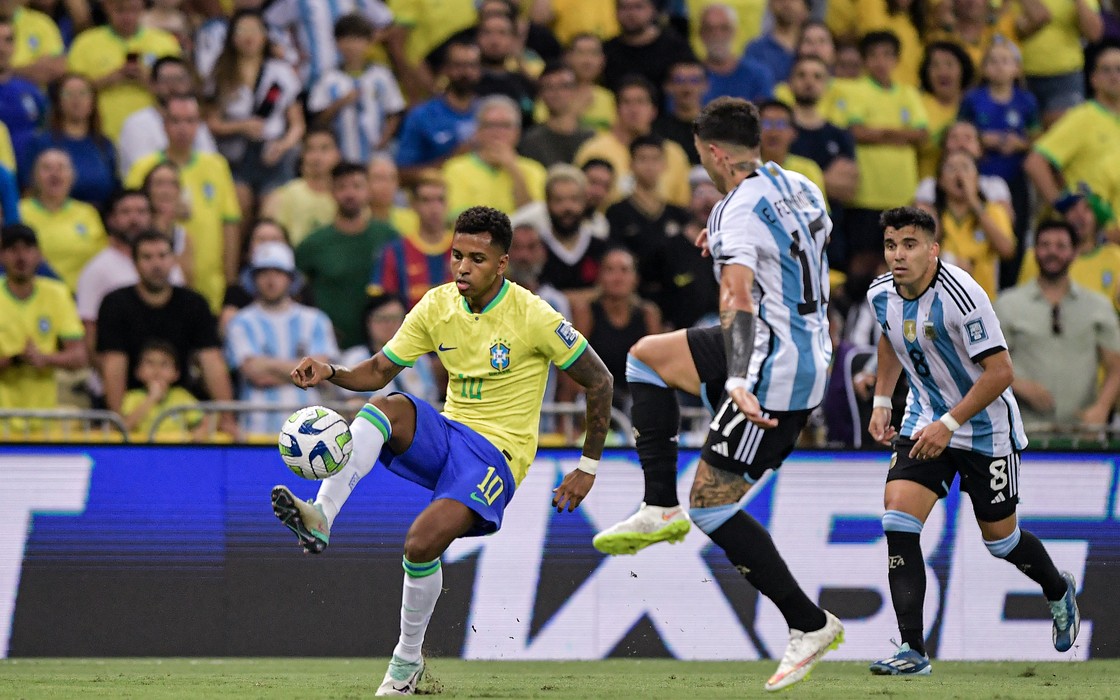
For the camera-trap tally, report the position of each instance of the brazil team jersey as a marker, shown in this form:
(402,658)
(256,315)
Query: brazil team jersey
(496,360)
(47,318)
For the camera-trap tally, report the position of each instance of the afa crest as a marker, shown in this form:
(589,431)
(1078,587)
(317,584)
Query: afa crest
(499,356)
(910,330)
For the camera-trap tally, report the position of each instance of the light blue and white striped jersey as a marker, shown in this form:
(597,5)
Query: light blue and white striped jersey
(313,21)
(775,223)
(288,334)
(940,339)
(358,126)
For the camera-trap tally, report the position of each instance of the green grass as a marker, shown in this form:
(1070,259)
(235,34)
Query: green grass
(620,679)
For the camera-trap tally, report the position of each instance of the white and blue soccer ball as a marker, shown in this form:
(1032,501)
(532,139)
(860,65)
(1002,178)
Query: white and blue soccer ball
(315,442)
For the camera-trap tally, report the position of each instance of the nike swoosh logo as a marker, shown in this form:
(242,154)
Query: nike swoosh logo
(480,499)
(443,349)
(669,516)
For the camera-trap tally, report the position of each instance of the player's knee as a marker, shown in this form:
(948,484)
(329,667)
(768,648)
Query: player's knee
(710,518)
(422,546)
(394,407)
(1001,548)
(898,521)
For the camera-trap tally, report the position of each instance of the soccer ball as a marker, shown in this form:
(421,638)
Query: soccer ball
(315,442)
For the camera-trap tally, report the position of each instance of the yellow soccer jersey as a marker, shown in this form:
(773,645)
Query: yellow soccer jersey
(1098,270)
(212,201)
(808,168)
(1084,145)
(673,185)
(888,174)
(99,51)
(963,239)
(176,396)
(1056,47)
(471,180)
(7,154)
(300,209)
(47,317)
(37,36)
(497,361)
(431,22)
(68,237)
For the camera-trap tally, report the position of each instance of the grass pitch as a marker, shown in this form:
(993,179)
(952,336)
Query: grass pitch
(447,678)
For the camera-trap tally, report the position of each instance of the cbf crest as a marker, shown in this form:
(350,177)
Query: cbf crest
(499,355)
(910,330)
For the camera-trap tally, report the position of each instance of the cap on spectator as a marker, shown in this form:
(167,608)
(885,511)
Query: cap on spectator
(273,255)
(1100,207)
(16,233)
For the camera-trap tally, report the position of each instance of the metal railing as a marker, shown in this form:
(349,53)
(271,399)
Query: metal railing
(61,425)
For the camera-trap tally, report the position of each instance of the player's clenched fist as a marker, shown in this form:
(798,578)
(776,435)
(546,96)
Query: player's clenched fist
(310,372)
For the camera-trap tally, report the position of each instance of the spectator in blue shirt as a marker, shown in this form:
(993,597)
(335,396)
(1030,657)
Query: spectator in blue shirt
(728,73)
(22,104)
(1007,117)
(75,127)
(775,49)
(442,127)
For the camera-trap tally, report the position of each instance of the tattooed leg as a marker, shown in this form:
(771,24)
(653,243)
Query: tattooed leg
(748,546)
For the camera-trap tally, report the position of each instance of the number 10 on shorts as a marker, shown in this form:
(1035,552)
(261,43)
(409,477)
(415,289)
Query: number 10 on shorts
(490,488)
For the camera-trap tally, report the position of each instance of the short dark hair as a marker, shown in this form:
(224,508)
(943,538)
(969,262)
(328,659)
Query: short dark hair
(353,25)
(872,39)
(552,68)
(1057,224)
(808,58)
(346,168)
(148,236)
(169,61)
(119,196)
(901,217)
(728,119)
(163,345)
(634,80)
(320,130)
(477,220)
(648,140)
(776,104)
(597,163)
(968,71)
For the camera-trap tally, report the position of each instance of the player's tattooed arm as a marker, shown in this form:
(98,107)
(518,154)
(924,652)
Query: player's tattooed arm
(736,318)
(598,384)
(714,487)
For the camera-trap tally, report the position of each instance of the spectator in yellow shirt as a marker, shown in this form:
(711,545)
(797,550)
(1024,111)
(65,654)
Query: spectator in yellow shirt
(40,331)
(636,112)
(385,192)
(905,19)
(977,234)
(158,371)
(596,103)
(493,172)
(946,73)
(117,57)
(306,203)
(40,55)
(1051,36)
(71,231)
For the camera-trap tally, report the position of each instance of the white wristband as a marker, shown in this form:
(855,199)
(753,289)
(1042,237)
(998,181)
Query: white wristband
(950,422)
(882,402)
(588,465)
(735,383)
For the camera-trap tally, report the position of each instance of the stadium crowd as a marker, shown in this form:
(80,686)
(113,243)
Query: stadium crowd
(196,193)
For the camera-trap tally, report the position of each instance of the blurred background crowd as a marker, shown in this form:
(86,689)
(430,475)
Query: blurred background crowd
(196,193)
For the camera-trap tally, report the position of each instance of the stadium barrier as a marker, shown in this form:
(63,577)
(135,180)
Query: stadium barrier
(162,550)
(61,425)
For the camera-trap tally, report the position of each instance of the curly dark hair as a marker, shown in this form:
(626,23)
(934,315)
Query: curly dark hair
(901,217)
(487,220)
(968,71)
(728,119)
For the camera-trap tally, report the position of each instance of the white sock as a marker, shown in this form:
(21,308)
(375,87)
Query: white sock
(422,586)
(370,431)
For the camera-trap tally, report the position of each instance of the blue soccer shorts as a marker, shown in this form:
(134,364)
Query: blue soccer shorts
(453,461)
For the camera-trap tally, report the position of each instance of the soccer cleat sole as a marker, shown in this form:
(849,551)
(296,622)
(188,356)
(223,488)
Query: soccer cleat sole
(881,669)
(634,542)
(284,507)
(832,646)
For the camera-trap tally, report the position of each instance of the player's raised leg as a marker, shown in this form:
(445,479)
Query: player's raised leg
(993,487)
(656,367)
(907,505)
(372,428)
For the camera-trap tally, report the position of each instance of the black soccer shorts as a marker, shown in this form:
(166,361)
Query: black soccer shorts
(991,482)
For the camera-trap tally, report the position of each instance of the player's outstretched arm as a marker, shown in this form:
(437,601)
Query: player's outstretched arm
(369,375)
(598,384)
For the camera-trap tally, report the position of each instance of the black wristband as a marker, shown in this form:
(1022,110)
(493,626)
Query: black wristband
(738,341)
(334,371)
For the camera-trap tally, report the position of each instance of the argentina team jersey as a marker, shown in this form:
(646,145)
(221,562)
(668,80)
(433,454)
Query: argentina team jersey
(775,223)
(940,339)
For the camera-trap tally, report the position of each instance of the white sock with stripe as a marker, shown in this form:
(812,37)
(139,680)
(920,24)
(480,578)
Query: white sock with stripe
(370,430)
(422,586)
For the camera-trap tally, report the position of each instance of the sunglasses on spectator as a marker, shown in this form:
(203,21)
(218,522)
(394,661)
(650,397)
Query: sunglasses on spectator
(1056,320)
